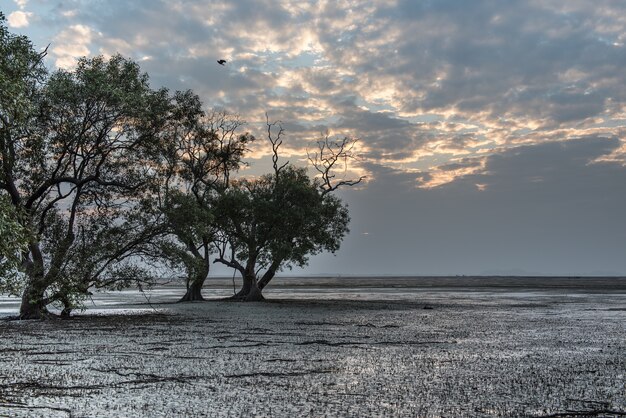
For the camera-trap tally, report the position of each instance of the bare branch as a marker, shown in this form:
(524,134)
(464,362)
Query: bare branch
(276,142)
(324,160)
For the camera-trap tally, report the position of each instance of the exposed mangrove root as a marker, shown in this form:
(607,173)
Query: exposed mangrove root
(345,324)
(320,323)
(256,297)
(370,325)
(55,390)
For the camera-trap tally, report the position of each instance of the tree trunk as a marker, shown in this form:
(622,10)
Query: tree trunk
(194,290)
(33,304)
(250,291)
(67,308)
(194,285)
(269,274)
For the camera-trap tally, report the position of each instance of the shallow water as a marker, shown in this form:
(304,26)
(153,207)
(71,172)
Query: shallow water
(360,288)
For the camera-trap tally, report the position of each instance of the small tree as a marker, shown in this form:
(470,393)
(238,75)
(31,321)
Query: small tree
(275,221)
(281,219)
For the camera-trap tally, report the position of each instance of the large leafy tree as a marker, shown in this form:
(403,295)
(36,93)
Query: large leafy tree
(21,73)
(76,149)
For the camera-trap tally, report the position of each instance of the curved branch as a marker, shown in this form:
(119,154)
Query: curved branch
(276,142)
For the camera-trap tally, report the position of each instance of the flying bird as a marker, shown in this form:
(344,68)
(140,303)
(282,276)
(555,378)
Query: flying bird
(221,62)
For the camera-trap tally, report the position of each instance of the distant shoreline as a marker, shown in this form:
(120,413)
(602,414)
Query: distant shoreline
(459,282)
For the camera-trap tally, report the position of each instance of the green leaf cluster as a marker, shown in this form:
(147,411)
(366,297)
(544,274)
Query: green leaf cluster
(282,218)
(13,242)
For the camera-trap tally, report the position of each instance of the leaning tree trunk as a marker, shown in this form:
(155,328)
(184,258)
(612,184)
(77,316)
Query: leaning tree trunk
(250,291)
(34,303)
(269,274)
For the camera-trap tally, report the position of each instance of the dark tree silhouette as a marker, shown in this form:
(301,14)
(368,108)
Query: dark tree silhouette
(74,149)
(281,219)
(109,177)
(276,220)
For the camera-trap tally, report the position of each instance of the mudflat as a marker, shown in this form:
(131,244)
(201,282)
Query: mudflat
(352,351)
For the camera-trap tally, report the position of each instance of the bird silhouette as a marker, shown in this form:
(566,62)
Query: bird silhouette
(221,62)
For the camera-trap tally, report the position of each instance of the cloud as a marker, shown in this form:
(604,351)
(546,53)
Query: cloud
(421,83)
(497,123)
(71,44)
(558,168)
(545,209)
(19,19)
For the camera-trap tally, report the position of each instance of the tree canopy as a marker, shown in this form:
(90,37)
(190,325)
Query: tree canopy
(76,148)
(278,220)
(196,160)
(102,177)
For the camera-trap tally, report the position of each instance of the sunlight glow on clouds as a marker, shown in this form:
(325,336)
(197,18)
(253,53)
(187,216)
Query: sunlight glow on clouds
(19,19)
(492,133)
(71,44)
(423,84)
(448,173)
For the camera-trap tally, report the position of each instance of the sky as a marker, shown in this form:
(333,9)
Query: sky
(491,132)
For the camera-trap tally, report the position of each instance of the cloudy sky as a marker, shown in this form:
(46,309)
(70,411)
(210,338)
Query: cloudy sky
(491,132)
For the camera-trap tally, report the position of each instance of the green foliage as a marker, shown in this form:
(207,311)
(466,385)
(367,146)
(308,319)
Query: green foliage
(21,72)
(192,230)
(197,153)
(111,175)
(309,222)
(77,152)
(188,218)
(13,241)
(281,219)
(21,75)
(86,169)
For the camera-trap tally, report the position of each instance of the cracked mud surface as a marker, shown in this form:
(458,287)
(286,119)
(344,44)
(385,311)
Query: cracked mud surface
(476,353)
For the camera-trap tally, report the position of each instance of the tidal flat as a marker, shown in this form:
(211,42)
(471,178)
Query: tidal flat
(357,349)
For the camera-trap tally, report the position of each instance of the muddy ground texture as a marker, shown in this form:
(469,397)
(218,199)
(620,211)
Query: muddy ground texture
(474,353)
